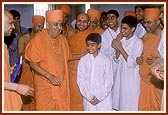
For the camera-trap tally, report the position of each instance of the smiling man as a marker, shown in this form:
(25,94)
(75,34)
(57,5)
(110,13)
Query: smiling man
(150,87)
(78,48)
(48,54)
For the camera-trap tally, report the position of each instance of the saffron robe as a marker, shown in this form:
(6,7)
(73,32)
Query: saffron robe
(26,76)
(52,55)
(99,30)
(150,87)
(69,32)
(77,45)
(12,100)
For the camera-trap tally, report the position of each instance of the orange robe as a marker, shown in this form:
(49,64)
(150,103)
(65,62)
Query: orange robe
(26,77)
(69,29)
(52,55)
(12,100)
(77,46)
(150,87)
(99,30)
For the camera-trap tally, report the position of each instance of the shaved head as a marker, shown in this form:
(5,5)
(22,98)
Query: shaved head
(82,21)
(8,23)
(82,15)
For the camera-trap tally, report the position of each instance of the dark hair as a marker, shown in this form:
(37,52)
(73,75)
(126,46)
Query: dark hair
(143,6)
(113,12)
(103,14)
(95,37)
(15,13)
(130,20)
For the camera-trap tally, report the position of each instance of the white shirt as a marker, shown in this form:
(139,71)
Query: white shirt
(161,45)
(107,37)
(126,77)
(140,31)
(95,78)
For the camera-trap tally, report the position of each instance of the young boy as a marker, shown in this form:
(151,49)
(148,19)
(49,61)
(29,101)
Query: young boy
(127,80)
(95,77)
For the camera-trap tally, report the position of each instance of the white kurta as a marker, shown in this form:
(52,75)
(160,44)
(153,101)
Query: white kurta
(161,52)
(126,86)
(140,31)
(107,37)
(95,78)
(161,45)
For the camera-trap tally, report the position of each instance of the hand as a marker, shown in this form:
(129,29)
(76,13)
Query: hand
(157,73)
(139,60)
(24,89)
(116,44)
(12,68)
(94,101)
(150,60)
(119,37)
(54,80)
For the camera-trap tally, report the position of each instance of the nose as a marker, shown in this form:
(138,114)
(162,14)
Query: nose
(122,30)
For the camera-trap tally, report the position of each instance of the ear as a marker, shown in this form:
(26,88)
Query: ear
(158,22)
(88,23)
(118,19)
(133,29)
(99,45)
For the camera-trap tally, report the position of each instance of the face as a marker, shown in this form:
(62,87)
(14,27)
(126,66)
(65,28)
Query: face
(104,24)
(17,21)
(54,28)
(65,19)
(139,14)
(38,27)
(8,23)
(92,47)
(112,21)
(151,25)
(82,22)
(93,23)
(162,14)
(126,30)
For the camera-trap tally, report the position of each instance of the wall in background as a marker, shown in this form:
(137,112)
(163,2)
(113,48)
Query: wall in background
(26,12)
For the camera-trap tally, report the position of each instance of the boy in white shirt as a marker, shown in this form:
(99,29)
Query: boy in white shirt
(95,76)
(127,79)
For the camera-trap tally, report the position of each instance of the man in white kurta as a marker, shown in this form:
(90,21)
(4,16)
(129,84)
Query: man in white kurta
(95,78)
(127,83)
(139,11)
(110,34)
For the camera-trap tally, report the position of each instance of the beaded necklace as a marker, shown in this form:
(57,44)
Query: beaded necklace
(56,45)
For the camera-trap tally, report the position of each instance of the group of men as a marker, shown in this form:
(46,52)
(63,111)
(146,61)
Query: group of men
(51,57)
